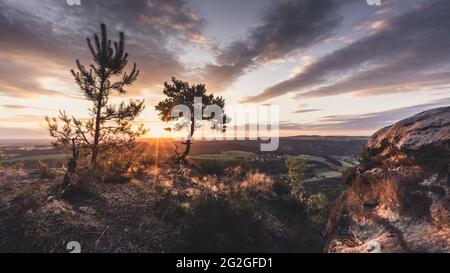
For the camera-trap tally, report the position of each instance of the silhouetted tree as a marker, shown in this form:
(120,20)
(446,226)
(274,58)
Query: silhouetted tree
(108,125)
(182,93)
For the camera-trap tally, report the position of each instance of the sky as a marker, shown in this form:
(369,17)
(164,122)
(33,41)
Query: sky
(335,67)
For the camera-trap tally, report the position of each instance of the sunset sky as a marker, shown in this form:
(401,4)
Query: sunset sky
(335,67)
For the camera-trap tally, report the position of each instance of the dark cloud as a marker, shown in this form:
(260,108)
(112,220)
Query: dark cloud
(287,26)
(366,122)
(53,32)
(365,84)
(405,53)
(14,106)
(22,107)
(302,111)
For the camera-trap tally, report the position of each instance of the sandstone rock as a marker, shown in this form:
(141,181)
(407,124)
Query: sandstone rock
(425,136)
(399,197)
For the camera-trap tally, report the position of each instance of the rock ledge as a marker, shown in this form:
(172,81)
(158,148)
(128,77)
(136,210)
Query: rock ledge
(398,199)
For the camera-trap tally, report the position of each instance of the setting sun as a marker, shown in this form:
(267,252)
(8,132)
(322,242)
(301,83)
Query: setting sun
(157,131)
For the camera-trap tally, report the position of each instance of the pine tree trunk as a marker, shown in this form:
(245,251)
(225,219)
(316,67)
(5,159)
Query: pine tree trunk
(186,150)
(96,134)
(188,143)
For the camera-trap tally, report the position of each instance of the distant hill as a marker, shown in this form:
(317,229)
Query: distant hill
(314,145)
(289,145)
(15,142)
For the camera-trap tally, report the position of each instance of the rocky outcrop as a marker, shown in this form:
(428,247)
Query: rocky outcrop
(398,198)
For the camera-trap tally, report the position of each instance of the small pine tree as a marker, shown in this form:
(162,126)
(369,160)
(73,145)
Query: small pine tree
(109,125)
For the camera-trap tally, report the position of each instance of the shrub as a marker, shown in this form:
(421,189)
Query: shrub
(317,201)
(115,165)
(169,206)
(296,168)
(148,161)
(237,172)
(256,182)
(118,165)
(222,225)
(281,188)
(45,171)
(139,173)
(81,187)
(317,206)
(27,197)
(211,167)
(17,165)
(2,159)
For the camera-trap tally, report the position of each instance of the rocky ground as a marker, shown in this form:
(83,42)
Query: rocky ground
(399,196)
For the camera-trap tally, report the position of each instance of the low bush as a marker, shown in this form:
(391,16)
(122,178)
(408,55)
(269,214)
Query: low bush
(281,188)
(256,182)
(317,206)
(222,225)
(211,167)
(237,172)
(45,170)
(27,196)
(2,159)
(147,161)
(296,168)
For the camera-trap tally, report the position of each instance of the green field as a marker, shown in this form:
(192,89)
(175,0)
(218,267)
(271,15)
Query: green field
(331,187)
(322,172)
(321,168)
(224,156)
(313,158)
(347,164)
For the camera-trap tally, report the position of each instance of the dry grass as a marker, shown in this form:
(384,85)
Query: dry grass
(164,210)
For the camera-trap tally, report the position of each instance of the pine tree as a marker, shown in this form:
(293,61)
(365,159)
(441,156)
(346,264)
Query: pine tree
(108,125)
(182,93)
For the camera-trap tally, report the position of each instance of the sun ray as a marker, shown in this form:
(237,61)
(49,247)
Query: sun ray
(156,163)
